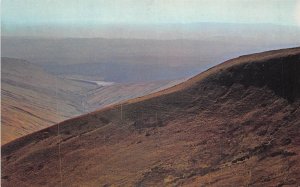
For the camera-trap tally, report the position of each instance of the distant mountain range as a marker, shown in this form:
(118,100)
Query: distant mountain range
(196,48)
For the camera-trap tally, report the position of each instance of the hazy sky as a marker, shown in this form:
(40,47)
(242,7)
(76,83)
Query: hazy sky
(86,13)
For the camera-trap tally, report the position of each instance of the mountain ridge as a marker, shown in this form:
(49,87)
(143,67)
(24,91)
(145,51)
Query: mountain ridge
(236,123)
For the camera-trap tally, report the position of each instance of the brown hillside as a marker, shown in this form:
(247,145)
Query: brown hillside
(237,124)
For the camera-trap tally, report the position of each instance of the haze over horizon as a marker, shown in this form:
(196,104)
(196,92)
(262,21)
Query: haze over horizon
(143,19)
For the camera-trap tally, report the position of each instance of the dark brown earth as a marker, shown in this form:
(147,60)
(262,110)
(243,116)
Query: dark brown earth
(237,124)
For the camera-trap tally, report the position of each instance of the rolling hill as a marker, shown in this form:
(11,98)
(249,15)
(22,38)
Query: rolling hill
(237,123)
(33,99)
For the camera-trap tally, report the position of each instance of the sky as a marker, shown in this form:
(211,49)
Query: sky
(18,14)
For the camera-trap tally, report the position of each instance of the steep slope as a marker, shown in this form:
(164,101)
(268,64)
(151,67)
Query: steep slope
(32,99)
(235,124)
